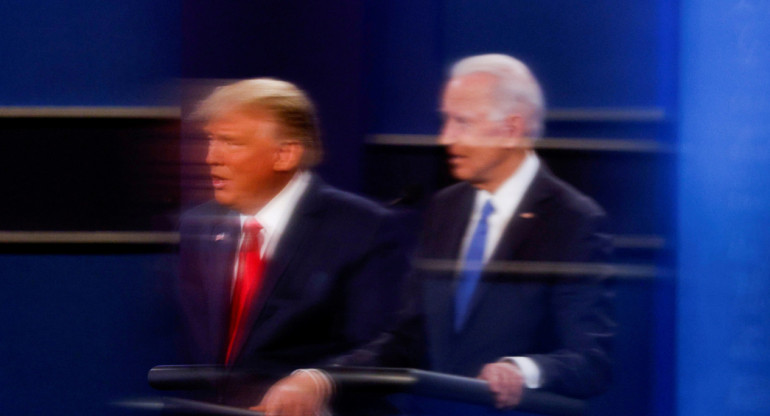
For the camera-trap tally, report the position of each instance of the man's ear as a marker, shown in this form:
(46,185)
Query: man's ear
(515,125)
(289,156)
(516,131)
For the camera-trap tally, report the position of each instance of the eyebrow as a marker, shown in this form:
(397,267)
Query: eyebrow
(219,136)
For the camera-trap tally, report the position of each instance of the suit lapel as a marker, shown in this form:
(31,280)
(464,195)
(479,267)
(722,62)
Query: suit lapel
(302,223)
(516,232)
(449,239)
(520,224)
(443,244)
(224,235)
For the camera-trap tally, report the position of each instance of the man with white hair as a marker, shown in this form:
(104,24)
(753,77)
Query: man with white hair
(504,288)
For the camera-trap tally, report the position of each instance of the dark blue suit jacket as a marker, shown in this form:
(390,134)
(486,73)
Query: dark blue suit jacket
(540,295)
(331,285)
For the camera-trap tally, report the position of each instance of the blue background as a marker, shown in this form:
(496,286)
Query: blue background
(78,330)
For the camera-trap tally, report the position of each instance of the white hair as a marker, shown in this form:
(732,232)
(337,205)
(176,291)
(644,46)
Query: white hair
(518,90)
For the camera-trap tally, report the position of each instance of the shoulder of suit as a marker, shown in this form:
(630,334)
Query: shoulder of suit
(349,202)
(206,209)
(570,197)
(453,192)
(203,214)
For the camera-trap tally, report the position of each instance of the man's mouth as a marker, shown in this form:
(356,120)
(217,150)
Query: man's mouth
(218,182)
(454,158)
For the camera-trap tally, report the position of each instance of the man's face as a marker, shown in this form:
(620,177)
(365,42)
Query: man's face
(242,155)
(480,145)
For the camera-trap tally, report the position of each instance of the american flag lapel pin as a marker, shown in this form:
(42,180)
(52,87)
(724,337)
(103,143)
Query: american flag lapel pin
(527,215)
(219,237)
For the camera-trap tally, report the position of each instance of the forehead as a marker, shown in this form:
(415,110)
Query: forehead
(233,120)
(471,90)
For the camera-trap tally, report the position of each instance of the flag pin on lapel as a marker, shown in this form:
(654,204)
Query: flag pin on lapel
(527,215)
(219,237)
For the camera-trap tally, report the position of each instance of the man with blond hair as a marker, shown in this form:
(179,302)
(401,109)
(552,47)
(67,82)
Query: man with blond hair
(280,270)
(505,285)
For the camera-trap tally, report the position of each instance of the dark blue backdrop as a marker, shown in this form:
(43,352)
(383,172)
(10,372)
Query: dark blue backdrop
(80,330)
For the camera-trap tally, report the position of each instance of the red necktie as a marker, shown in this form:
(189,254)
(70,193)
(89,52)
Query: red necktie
(248,281)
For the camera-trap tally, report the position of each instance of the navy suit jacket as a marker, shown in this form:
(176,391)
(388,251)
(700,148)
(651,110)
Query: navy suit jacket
(539,296)
(331,285)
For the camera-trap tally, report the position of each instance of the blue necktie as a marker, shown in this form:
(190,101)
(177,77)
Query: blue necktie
(472,266)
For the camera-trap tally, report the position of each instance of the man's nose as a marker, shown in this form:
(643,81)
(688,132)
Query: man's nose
(448,134)
(213,153)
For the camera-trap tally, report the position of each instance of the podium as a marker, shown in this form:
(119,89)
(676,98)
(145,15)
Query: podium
(382,381)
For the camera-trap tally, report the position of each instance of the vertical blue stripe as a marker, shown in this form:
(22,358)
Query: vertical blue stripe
(724,211)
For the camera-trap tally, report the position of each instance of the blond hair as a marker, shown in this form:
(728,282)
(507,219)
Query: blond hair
(291,107)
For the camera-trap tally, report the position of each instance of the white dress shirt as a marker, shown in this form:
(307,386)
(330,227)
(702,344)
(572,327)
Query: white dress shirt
(506,200)
(275,215)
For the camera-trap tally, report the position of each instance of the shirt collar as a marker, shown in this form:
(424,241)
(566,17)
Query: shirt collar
(508,196)
(274,216)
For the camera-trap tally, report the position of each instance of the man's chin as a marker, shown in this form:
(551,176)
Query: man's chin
(223,198)
(459,174)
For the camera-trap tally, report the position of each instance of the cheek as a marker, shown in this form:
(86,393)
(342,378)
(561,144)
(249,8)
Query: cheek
(249,163)
(481,158)
(475,155)
(253,170)
(464,139)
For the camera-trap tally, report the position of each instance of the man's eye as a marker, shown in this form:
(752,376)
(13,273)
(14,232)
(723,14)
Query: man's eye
(223,141)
